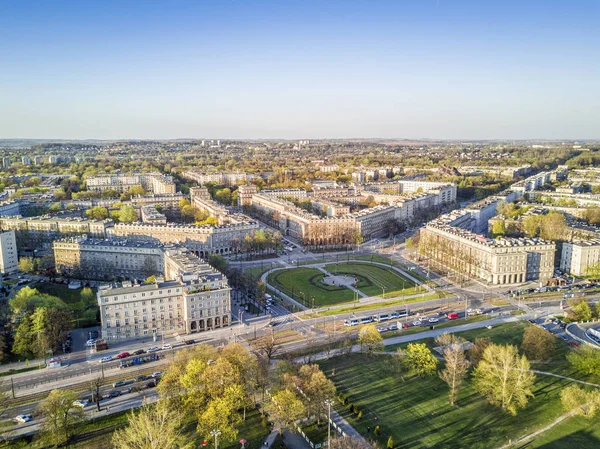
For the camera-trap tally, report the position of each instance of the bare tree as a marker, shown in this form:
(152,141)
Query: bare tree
(456,364)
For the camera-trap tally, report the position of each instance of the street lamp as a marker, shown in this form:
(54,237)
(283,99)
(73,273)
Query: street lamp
(329,403)
(215,433)
(243,443)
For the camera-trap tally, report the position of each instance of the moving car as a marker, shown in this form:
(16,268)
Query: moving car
(189,342)
(120,383)
(153,349)
(139,352)
(416,323)
(433,320)
(142,378)
(114,394)
(80,403)
(157,374)
(23,418)
(123,355)
(167,346)
(105,359)
(453,316)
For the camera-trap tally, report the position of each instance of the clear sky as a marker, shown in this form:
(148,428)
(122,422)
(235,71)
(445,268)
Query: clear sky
(300,69)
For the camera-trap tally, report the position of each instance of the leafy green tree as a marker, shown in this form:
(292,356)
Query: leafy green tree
(579,309)
(223,196)
(538,343)
(61,417)
(593,270)
(97,213)
(370,340)
(579,401)
(87,295)
(504,378)
(127,214)
(219,263)
(285,408)
(418,358)
(24,339)
(27,265)
(475,353)
(49,327)
(499,228)
(586,360)
(156,426)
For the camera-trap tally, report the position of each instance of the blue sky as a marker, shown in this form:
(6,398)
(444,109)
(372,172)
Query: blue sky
(285,69)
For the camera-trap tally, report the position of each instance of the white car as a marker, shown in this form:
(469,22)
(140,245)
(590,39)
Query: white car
(105,359)
(167,346)
(80,403)
(91,343)
(153,349)
(157,374)
(23,418)
(416,323)
(433,320)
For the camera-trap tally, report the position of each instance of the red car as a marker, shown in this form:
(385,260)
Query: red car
(453,316)
(123,355)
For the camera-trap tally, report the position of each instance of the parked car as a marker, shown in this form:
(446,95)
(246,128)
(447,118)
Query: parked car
(105,359)
(120,383)
(153,349)
(114,394)
(123,355)
(23,418)
(80,403)
(157,374)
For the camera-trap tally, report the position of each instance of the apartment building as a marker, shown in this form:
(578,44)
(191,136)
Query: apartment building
(151,182)
(9,260)
(295,194)
(9,208)
(203,240)
(577,257)
(375,222)
(330,208)
(201,199)
(36,233)
(245,193)
(89,258)
(224,179)
(448,243)
(149,214)
(184,306)
(167,202)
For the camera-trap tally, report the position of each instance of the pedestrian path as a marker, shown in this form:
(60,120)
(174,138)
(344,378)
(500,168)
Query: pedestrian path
(345,427)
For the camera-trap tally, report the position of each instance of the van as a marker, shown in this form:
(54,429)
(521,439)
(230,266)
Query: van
(453,316)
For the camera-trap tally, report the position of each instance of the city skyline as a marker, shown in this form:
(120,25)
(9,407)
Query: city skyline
(434,69)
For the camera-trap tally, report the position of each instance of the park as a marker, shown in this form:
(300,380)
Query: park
(335,283)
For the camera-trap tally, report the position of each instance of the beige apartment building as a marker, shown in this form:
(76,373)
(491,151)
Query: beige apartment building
(577,257)
(193,303)
(224,179)
(500,261)
(35,233)
(203,240)
(87,258)
(151,182)
(149,214)
(167,201)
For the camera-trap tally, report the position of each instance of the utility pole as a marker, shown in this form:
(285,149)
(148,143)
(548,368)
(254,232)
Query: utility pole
(215,433)
(329,403)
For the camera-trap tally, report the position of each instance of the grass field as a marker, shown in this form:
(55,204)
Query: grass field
(373,278)
(303,284)
(416,412)
(98,434)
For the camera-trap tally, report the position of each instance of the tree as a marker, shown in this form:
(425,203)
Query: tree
(553,226)
(418,358)
(498,228)
(49,327)
(219,263)
(317,388)
(150,280)
(579,401)
(504,378)
(220,413)
(285,408)
(27,264)
(97,213)
(457,364)
(223,196)
(87,295)
(538,343)
(23,341)
(370,340)
(476,351)
(61,417)
(586,360)
(3,346)
(390,443)
(127,214)
(579,309)
(154,426)
(593,270)
(531,225)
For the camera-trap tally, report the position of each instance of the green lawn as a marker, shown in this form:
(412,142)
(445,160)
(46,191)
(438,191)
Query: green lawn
(257,272)
(416,412)
(305,283)
(373,278)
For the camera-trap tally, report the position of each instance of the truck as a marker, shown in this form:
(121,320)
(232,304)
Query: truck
(101,345)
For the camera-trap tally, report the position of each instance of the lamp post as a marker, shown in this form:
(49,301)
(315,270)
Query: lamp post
(243,443)
(215,433)
(329,403)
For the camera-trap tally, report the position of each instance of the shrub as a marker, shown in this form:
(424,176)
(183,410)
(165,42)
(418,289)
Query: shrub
(359,414)
(390,443)
(377,431)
